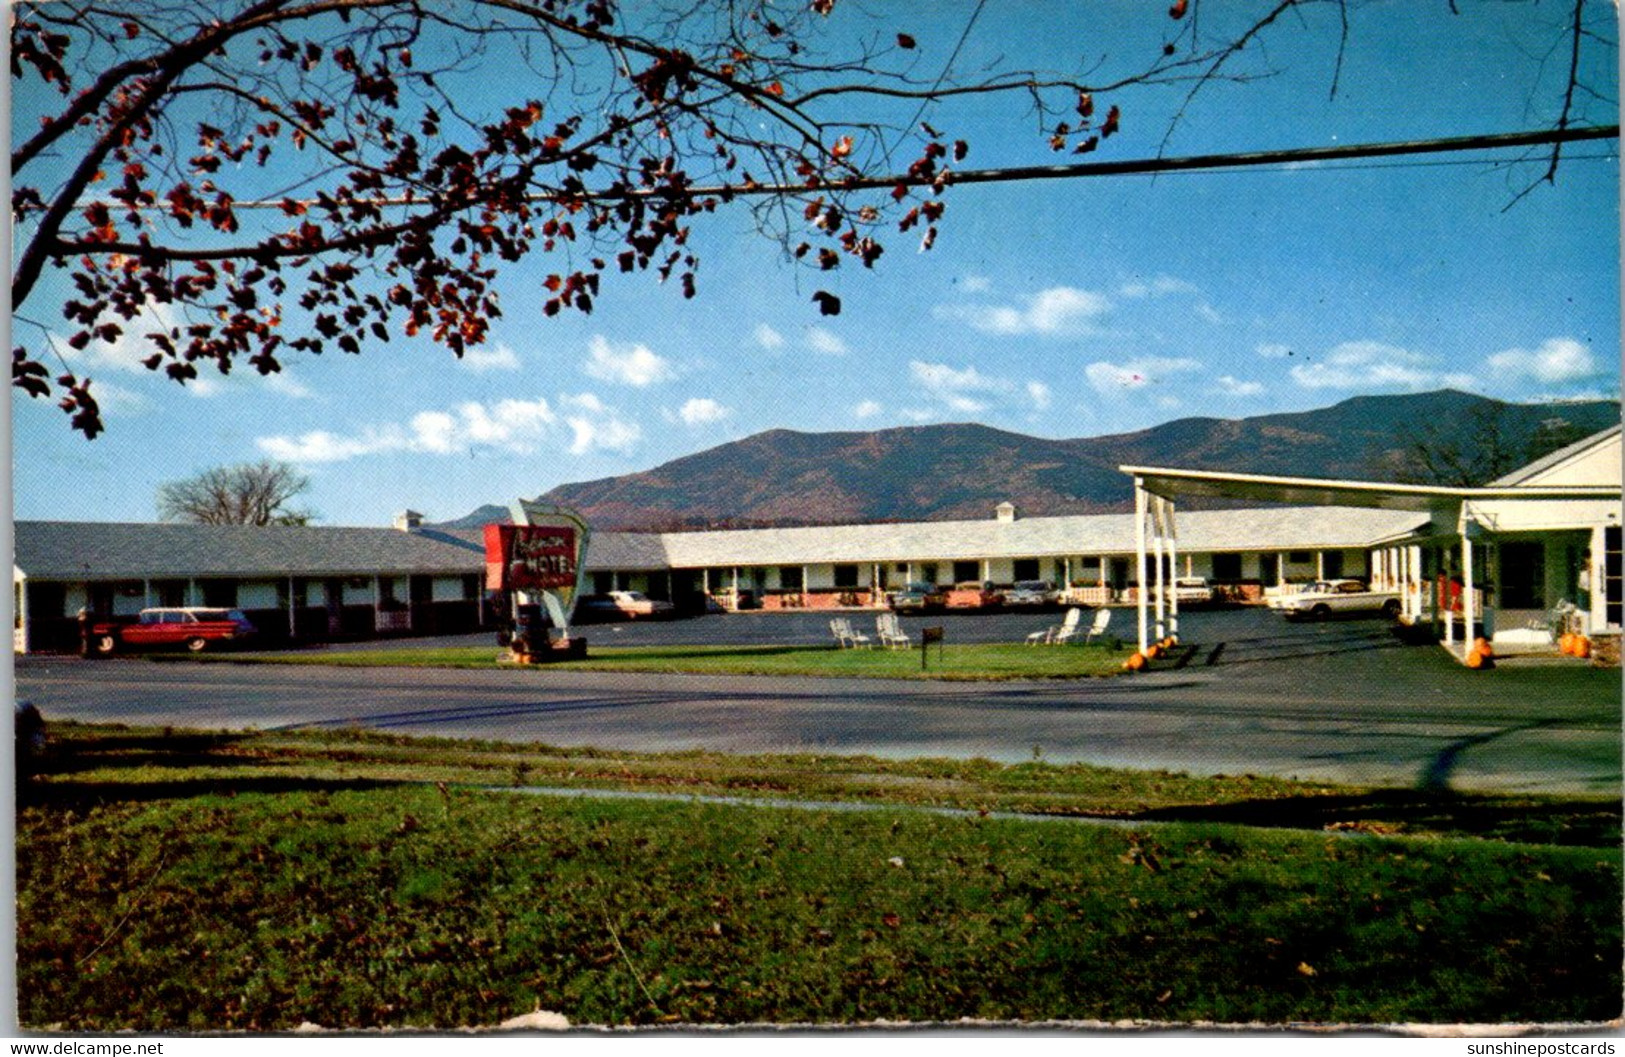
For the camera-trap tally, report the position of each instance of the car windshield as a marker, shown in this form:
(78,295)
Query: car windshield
(1032,585)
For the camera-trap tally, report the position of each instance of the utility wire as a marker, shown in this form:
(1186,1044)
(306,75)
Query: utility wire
(1081,170)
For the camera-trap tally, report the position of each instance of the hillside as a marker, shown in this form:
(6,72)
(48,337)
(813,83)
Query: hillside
(943,472)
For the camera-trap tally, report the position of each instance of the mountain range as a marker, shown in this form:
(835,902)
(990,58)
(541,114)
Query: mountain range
(963,470)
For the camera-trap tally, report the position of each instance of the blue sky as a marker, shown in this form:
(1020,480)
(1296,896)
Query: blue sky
(1062,309)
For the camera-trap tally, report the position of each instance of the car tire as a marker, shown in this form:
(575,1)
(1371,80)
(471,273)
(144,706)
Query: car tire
(105,645)
(1390,609)
(196,645)
(1320,612)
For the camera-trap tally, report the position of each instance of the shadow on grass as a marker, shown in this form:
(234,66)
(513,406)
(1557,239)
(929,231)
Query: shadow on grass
(79,795)
(1588,823)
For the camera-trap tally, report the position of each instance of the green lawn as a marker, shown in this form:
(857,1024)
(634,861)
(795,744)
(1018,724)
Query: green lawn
(961,662)
(190,881)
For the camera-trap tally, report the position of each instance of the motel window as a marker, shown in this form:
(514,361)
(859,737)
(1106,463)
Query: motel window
(220,593)
(1227,567)
(790,577)
(965,572)
(603,582)
(928,573)
(846,576)
(1269,568)
(1025,568)
(1333,564)
(1089,565)
(1611,574)
(1300,557)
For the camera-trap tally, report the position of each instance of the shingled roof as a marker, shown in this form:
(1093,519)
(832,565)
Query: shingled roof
(75,550)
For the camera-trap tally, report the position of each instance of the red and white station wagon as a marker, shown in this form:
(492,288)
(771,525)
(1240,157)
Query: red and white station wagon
(195,627)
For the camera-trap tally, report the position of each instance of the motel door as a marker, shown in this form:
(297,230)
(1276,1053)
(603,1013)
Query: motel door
(1523,575)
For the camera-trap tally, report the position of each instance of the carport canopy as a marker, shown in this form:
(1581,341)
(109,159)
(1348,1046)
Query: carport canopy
(1156,488)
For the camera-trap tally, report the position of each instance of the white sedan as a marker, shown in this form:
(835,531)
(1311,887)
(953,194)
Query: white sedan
(1325,599)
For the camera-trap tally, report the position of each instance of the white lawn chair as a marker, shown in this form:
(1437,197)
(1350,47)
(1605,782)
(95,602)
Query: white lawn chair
(1067,628)
(846,635)
(1103,617)
(891,632)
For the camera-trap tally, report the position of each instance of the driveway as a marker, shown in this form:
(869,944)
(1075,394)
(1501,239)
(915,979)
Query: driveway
(1335,702)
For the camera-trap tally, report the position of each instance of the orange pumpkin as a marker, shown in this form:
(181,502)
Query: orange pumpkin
(1582,646)
(1134,663)
(1482,645)
(1565,644)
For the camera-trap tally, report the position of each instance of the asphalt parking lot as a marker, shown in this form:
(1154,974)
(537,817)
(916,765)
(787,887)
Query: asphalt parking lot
(1343,701)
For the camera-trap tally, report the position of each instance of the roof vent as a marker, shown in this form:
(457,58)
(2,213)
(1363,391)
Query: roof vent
(407,520)
(1004,512)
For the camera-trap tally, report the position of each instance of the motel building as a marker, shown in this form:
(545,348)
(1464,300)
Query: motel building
(1545,536)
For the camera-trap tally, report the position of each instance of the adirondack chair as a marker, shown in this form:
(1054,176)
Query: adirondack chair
(891,632)
(1067,628)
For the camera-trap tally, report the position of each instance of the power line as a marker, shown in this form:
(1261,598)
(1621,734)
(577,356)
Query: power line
(1082,170)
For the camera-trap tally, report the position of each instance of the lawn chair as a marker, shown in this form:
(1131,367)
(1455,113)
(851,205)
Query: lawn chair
(1061,632)
(846,635)
(1102,618)
(891,632)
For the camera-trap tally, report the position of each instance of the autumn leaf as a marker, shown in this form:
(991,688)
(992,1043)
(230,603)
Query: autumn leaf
(828,303)
(842,148)
(1179,8)
(1110,124)
(905,41)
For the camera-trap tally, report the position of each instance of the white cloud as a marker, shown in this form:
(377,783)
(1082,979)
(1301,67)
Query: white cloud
(1209,313)
(1367,365)
(867,409)
(1557,360)
(821,340)
(976,284)
(954,388)
(498,357)
(635,365)
(513,425)
(282,382)
(1158,287)
(1111,378)
(1232,386)
(702,410)
(768,338)
(1057,310)
(1040,395)
(1273,351)
(594,425)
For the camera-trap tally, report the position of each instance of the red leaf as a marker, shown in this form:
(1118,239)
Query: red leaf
(1178,10)
(905,41)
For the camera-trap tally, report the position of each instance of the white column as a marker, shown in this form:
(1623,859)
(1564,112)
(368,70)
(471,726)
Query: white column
(1173,560)
(1139,558)
(1320,565)
(1280,569)
(1467,608)
(293,611)
(191,593)
(377,596)
(1157,551)
(1447,567)
(733,606)
(987,569)
(146,594)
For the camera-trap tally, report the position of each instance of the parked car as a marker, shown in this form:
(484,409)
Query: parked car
(1031,593)
(918,598)
(194,627)
(625,605)
(1192,591)
(1325,599)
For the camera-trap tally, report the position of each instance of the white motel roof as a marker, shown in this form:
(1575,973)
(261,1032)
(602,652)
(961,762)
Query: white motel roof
(1082,534)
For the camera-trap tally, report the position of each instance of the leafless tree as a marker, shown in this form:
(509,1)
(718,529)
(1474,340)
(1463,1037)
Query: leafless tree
(229,180)
(247,494)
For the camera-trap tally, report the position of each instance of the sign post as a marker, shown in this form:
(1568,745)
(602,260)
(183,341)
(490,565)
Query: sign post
(537,562)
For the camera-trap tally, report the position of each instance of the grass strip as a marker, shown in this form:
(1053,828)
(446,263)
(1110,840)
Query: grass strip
(89,764)
(964,662)
(417,906)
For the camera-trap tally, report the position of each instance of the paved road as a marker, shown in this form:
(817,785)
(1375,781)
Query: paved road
(1330,702)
